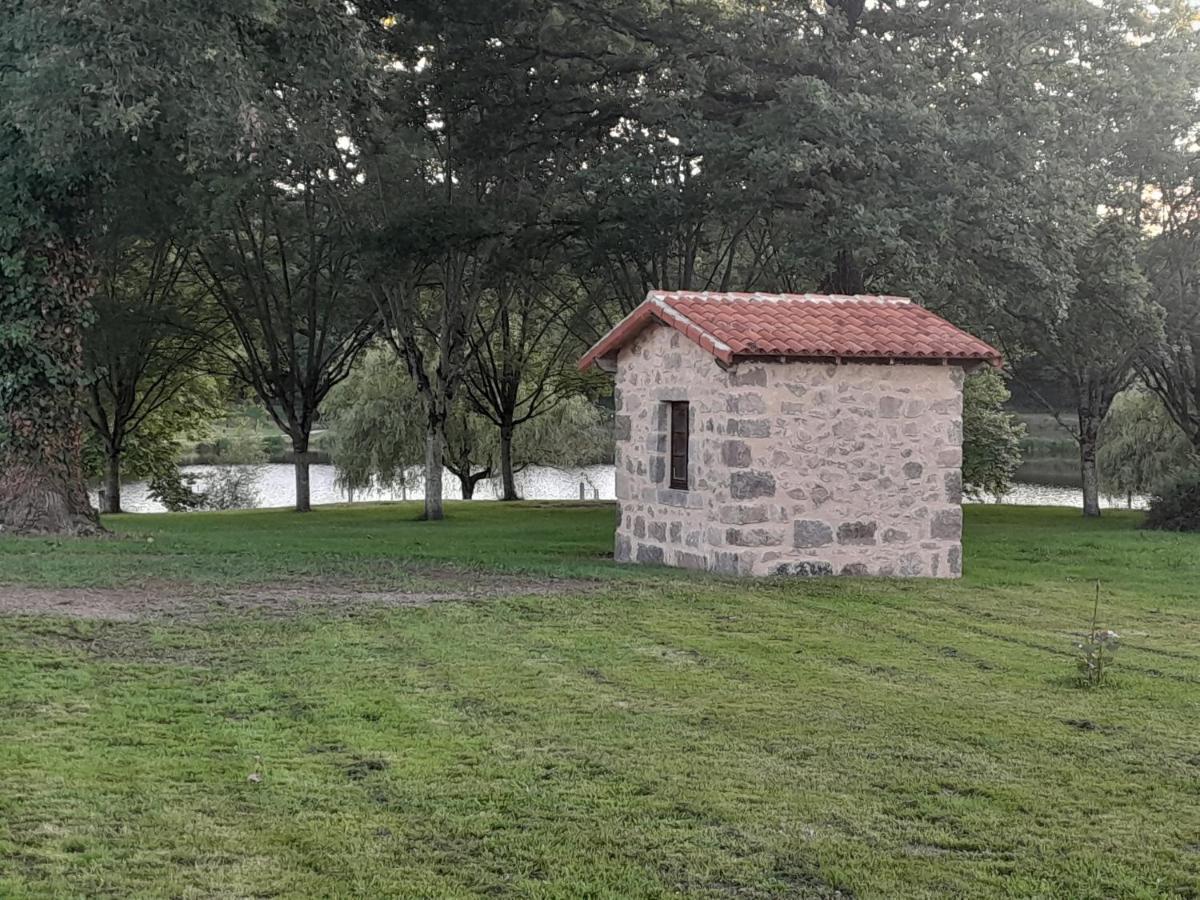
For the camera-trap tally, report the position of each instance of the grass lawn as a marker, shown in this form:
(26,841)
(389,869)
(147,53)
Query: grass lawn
(623,733)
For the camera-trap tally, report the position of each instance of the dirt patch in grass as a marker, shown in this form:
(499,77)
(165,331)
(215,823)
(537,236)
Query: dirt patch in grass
(334,596)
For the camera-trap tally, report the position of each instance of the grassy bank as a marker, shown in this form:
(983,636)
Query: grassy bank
(626,733)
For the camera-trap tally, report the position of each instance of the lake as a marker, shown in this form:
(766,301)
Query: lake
(276,487)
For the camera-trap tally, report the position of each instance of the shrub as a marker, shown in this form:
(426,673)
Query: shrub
(1175,505)
(175,490)
(991,437)
(231,487)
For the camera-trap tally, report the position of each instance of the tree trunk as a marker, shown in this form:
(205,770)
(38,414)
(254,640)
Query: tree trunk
(300,461)
(509,489)
(36,500)
(845,277)
(112,483)
(435,441)
(468,486)
(1090,476)
(42,490)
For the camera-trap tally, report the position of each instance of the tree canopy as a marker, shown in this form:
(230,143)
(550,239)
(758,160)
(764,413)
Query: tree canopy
(487,186)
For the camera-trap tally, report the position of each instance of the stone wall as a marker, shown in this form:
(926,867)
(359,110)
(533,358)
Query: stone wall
(796,468)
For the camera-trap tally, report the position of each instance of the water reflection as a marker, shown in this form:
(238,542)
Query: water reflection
(276,487)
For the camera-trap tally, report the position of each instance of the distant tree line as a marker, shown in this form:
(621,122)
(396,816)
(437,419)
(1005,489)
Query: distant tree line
(449,200)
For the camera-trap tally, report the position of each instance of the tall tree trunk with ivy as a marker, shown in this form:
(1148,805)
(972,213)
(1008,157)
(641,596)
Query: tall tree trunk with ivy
(45,287)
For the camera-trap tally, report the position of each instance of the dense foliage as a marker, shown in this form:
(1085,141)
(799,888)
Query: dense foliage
(991,437)
(1141,446)
(1175,504)
(487,186)
(378,433)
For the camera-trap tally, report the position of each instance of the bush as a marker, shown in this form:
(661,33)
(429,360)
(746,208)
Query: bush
(175,490)
(231,487)
(1175,505)
(991,437)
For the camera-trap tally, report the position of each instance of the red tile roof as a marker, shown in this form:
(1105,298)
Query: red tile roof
(800,326)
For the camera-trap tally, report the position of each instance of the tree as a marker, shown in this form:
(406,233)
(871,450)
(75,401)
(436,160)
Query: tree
(45,286)
(378,432)
(1141,446)
(282,272)
(518,352)
(1093,346)
(839,147)
(489,110)
(991,437)
(150,332)
(470,448)
(97,95)
(1171,367)
(375,425)
(151,451)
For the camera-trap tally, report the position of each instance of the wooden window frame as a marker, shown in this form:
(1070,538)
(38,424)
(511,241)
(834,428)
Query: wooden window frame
(679,440)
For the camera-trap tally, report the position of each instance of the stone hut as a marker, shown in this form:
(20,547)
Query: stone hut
(789,434)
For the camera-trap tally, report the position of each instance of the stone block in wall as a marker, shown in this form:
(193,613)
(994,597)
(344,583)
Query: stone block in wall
(748,376)
(951,456)
(911,565)
(622,428)
(692,561)
(736,454)
(809,533)
(725,563)
(752,537)
(946,525)
(647,553)
(742,515)
(856,533)
(954,486)
(750,485)
(752,428)
(623,551)
(807,569)
(658,469)
(745,403)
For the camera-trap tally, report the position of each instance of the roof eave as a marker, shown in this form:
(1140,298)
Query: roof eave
(653,309)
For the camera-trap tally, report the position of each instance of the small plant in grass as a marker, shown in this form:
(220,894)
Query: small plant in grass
(1096,653)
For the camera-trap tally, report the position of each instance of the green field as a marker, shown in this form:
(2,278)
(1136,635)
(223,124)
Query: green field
(555,726)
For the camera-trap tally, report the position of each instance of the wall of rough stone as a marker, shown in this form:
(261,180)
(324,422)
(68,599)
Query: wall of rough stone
(796,468)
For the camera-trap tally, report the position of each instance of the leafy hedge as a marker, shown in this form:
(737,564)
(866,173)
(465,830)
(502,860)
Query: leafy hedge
(1175,505)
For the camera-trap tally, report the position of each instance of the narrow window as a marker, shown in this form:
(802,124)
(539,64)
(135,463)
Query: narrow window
(679,446)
